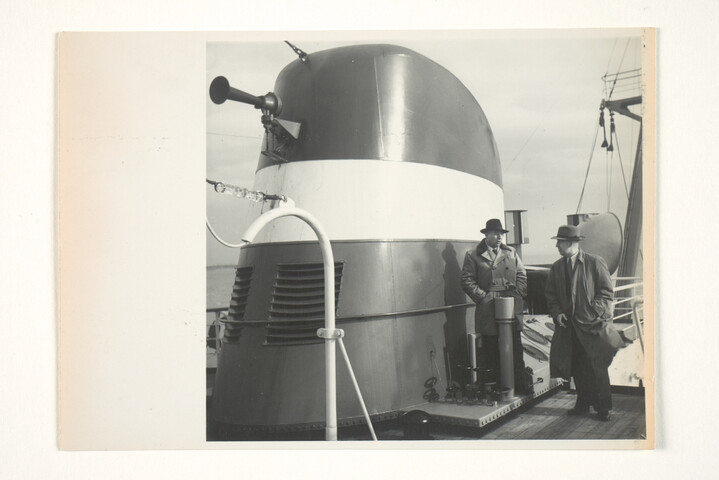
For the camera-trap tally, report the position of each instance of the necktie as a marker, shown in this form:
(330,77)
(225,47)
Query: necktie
(570,281)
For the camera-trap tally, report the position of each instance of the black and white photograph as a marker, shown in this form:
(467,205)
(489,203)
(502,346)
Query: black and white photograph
(386,240)
(431,236)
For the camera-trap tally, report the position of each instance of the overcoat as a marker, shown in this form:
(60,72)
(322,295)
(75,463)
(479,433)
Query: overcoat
(484,279)
(590,313)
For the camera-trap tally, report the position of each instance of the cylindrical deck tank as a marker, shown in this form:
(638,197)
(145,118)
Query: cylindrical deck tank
(398,162)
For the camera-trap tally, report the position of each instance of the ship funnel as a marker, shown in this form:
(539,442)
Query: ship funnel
(220,90)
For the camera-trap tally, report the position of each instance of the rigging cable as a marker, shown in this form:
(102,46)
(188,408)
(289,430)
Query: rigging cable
(619,68)
(533,132)
(231,245)
(626,189)
(586,175)
(616,39)
(621,164)
(525,144)
(610,162)
(610,159)
(239,192)
(606,72)
(601,124)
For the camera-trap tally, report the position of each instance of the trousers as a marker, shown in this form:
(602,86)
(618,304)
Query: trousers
(590,379)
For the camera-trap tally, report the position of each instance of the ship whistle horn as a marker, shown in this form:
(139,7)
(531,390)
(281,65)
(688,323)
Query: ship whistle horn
(220,90)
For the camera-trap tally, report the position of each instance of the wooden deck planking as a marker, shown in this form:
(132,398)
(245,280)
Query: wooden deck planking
(516,426)
(531,431)
(549,420)
(528,422)
(635,428)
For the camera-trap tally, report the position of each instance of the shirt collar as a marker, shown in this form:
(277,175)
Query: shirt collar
(573,258)
(484,247)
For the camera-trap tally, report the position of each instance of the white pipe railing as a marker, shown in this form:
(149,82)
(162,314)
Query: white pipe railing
(635,310)
(357,389)
(329,333)
(627,287)
(622,315)
(635,305)
(330,339)
(628,299)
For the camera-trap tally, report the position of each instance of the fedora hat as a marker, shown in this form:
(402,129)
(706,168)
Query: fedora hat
(494,224)
(569,232)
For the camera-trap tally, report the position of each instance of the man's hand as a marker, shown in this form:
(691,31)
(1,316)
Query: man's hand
(562,320)
(488,296)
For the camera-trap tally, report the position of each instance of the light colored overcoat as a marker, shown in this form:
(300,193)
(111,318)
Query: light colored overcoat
(484,278)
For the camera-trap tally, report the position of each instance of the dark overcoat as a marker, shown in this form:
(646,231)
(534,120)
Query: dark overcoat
(484,279)
(591,314)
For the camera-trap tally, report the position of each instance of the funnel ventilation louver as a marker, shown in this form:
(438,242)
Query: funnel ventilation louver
(297,308)
(238,303)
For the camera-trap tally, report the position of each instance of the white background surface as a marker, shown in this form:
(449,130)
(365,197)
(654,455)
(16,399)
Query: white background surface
(686,173)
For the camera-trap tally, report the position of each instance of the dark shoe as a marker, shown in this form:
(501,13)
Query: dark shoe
(578,410)
(603,416)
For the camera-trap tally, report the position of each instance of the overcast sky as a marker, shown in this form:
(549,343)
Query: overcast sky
(540,90)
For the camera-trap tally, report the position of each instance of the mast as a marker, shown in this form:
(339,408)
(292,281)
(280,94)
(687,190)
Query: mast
(631,250)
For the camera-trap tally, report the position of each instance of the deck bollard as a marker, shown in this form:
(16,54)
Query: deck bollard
(504,315)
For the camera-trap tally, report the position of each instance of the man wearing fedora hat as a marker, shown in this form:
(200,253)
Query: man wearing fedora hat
(579,297)
(491,270)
